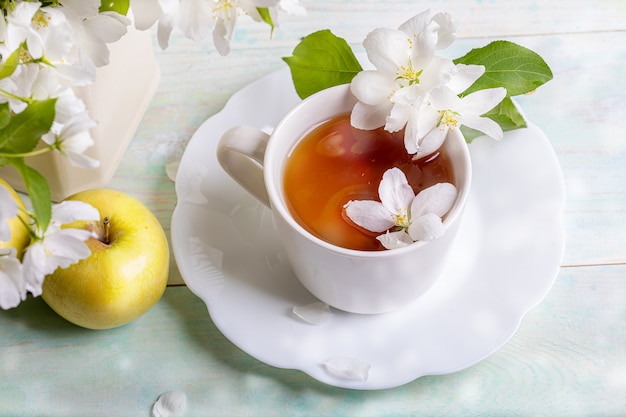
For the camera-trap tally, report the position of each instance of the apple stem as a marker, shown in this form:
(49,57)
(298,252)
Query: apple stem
(106,224)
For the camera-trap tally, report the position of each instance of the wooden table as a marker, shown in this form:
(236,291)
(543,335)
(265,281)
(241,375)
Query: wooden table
(567,359)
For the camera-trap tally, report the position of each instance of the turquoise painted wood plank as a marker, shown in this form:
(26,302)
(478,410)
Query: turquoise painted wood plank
(567,359)
(582,112)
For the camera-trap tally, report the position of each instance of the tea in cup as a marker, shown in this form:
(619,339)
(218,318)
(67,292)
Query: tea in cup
(308,171)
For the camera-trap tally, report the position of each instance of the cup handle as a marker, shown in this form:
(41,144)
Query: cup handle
(240,152)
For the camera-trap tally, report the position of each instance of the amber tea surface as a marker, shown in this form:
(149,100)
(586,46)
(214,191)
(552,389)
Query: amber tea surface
(335,163)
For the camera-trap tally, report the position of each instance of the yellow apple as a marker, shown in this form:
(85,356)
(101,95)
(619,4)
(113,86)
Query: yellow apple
(20,237)
(126,273)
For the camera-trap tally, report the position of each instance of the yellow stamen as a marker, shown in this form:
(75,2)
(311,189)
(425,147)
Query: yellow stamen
(401,219)
(448,118)
(223,8)
(41,20)
(408,75)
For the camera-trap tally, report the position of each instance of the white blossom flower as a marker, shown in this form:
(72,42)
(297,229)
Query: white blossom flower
(20,28)
(57,247)
(198,19)
(56,34)
(449,111)
(12,285)
(68,106)
(92,30)
(226,13)
(8,210)
(407,69)
(461,77)
(403,216)
(73,140)
(145,13)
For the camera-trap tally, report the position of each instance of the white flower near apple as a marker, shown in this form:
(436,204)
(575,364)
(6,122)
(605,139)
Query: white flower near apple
(14,237)
(126,273)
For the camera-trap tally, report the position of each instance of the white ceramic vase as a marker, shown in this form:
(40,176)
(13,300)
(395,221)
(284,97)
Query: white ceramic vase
(117,100)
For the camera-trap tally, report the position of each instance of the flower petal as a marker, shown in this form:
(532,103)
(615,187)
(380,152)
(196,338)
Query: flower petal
(395,192)
(464,76)
(395,240)
(437,199)
(196,19)
(367,117)
(483,124)
(12,286)
(8,210)
(145,13)
(432,141)
(70,211)
(446,31)
(370,215)
(387,49)
(443,98)
(292,7)
(417,23)
(315,313)
(438,72)
(224,30)
(481,101)
(372,87)
(419,126)
(348,368)
(398,116)
(426,227)
(170,404)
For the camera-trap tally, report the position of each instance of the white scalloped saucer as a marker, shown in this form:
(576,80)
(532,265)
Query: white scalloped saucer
(504,262)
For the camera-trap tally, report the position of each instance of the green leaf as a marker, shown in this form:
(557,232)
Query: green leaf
(24,129)
(266,16)
(120,6)
(508,65)
(505,114)
(5,115)
(321,60)
(8,67)
(38,192)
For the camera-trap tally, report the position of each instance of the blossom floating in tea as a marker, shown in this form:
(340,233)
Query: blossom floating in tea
(402,215)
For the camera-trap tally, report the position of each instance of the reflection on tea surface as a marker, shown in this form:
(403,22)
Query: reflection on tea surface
(336,163)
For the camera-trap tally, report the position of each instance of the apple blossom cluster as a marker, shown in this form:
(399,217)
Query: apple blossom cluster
(45,51)
(199,19)
(415,89)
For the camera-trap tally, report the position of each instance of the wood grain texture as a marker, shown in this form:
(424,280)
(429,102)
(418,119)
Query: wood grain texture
(568,357)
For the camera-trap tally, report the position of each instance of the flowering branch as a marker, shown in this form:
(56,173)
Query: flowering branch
(47,48)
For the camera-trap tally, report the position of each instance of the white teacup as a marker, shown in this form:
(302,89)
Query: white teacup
(355,281)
